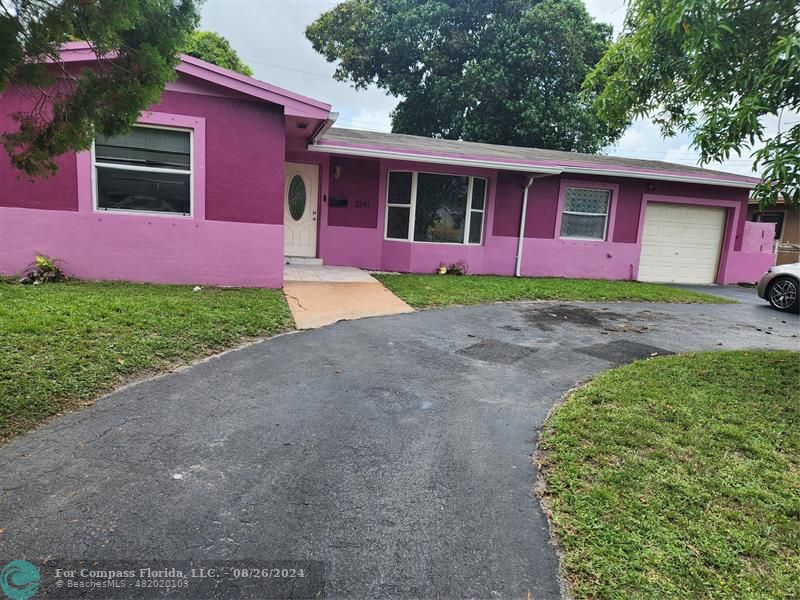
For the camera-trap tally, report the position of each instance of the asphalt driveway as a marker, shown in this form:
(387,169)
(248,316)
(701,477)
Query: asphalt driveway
(396,450)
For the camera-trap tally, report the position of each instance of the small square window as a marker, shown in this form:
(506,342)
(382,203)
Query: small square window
(585,213)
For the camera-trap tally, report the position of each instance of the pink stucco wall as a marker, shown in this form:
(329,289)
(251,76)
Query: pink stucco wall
(544,254)
(235,233)
(55,192)
(755,257)
(234,236)
(136,248)
(245,152)
(758,237)
(357,183)
(543,203)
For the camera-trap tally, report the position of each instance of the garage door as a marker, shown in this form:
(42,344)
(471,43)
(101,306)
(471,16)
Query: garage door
(681,244)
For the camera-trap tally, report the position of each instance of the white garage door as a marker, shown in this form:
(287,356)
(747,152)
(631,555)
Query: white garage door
(681,244)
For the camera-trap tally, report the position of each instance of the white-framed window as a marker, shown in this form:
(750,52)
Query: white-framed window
(584,214)
(148,170)
(435,208)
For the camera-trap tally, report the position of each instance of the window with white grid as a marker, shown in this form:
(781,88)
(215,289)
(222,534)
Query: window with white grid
(585,213)
(435,208)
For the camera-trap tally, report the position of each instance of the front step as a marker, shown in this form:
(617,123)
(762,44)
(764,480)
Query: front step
(303,260)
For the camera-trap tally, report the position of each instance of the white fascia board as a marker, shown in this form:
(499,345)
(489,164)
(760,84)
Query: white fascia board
(440,160)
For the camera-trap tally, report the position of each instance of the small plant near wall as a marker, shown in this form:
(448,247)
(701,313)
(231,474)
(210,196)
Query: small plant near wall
(44,269)
(457,268)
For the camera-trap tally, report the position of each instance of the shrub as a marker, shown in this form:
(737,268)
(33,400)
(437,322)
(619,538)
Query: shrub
(457,268)
(43,270)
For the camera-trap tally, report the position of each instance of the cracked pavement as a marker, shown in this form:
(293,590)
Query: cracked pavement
(397,450)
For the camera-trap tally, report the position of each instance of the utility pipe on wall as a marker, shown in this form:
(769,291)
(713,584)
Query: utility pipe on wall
(522,224)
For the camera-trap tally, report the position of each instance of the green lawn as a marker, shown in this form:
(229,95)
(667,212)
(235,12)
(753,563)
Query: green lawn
(679,477)
(423,291)
(63,344)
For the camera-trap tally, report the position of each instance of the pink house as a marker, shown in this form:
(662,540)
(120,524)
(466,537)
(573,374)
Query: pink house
(227,177)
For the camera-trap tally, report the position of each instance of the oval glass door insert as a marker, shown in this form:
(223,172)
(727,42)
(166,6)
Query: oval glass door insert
(297,197)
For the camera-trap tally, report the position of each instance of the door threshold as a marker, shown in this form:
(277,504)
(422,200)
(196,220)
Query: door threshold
(302,260)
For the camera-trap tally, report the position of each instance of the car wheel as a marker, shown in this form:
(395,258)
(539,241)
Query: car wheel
(783,294)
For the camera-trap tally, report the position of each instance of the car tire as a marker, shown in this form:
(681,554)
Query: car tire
(784,294)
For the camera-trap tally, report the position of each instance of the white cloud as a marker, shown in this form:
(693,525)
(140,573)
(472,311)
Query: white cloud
(372,120)
(270,36)
(643,140)
(608,11)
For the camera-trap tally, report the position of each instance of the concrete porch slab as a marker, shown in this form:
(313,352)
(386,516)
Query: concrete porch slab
(319,296)
(330,274)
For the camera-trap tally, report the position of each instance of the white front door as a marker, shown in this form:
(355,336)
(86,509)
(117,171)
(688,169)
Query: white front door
(300,210)
(680,243)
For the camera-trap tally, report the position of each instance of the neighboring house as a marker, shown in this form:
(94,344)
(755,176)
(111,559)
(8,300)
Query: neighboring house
(226,176)
(787,228)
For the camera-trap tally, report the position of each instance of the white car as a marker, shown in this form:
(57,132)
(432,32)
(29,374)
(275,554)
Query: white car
(780,286)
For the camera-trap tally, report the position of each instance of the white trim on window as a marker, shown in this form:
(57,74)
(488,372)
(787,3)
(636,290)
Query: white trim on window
(468,211)
(412,217)
(471,209)
(606,214)
(412,207)
(409,206)
(143,169)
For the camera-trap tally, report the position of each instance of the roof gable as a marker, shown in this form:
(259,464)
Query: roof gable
(295,105)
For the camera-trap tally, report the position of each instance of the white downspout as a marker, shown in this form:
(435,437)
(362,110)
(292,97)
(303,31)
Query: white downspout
(522,225)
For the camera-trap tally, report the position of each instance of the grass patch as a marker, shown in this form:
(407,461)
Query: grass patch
(679,477)
(425,291)
(62,344)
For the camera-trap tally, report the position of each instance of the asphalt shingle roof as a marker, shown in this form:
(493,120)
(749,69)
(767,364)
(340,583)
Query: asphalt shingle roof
(494,152)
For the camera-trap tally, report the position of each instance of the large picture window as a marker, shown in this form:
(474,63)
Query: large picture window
(431,207)
(147,170)
(585,213)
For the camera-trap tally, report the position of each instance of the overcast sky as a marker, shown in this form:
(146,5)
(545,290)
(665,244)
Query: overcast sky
(269,36)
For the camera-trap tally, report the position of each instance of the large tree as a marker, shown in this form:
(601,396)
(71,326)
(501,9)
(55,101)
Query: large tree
(137,45)
(214,48)
(496,71)
(717,69)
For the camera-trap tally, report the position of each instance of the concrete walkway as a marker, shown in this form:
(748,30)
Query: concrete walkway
(321,295)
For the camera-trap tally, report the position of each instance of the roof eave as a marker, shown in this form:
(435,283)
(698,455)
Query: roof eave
(296,105)
(677,178)
(441,160)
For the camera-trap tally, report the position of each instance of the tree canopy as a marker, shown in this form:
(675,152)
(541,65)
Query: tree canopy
(137,45)
(496,71)
(212,47)
(716,69)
